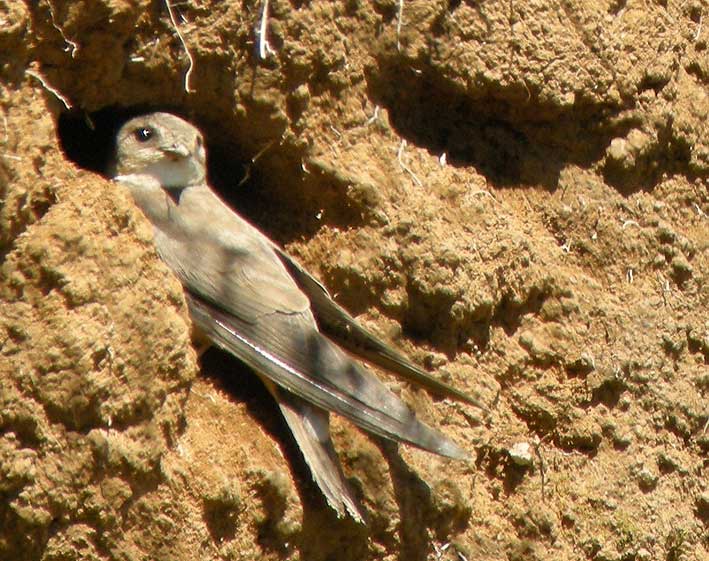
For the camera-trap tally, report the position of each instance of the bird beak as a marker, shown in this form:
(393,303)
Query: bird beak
(176,151)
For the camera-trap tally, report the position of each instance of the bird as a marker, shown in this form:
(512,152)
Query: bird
(248,297)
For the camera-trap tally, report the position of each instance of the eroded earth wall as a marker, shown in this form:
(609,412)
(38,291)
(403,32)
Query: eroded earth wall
(513,193)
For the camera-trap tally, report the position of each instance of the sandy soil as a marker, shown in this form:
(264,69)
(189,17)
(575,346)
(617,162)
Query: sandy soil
(514,193)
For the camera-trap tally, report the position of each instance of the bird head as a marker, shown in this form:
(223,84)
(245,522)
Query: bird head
(163,146)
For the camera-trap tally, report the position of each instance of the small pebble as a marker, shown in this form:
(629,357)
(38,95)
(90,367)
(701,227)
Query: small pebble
(521,454)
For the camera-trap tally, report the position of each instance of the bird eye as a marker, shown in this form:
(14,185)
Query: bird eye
(143,134)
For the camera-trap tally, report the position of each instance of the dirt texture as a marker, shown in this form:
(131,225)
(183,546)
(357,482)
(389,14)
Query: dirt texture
(514,193)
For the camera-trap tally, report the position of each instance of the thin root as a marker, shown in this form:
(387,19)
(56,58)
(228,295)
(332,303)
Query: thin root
(483,192)
(54,91)
(73,44)
(699,28)
(204,396)
(399,157)
(399,21)
(542,467)
(4,124)
(173,21)
(264,49)
(247,174)
(374,117)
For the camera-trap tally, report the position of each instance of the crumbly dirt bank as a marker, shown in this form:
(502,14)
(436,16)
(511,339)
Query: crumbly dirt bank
(514,194)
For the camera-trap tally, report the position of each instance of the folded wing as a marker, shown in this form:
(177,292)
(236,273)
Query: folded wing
(334,320)
(298,358)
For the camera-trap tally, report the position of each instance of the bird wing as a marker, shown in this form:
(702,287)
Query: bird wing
(288,349)
(334,320)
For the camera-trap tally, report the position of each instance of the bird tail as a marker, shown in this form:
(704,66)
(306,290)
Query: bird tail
(310,426)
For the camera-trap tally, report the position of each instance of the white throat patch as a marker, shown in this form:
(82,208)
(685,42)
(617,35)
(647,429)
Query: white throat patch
(176,173)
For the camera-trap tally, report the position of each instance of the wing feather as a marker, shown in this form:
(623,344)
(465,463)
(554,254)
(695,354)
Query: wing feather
(334,320)
(220,256)
(296,357)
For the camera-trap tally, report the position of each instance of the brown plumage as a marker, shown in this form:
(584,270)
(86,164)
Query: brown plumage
(253,300)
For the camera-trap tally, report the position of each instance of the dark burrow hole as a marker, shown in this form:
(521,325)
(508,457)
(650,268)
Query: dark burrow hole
(512,142)
(89,141)
(275,193)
